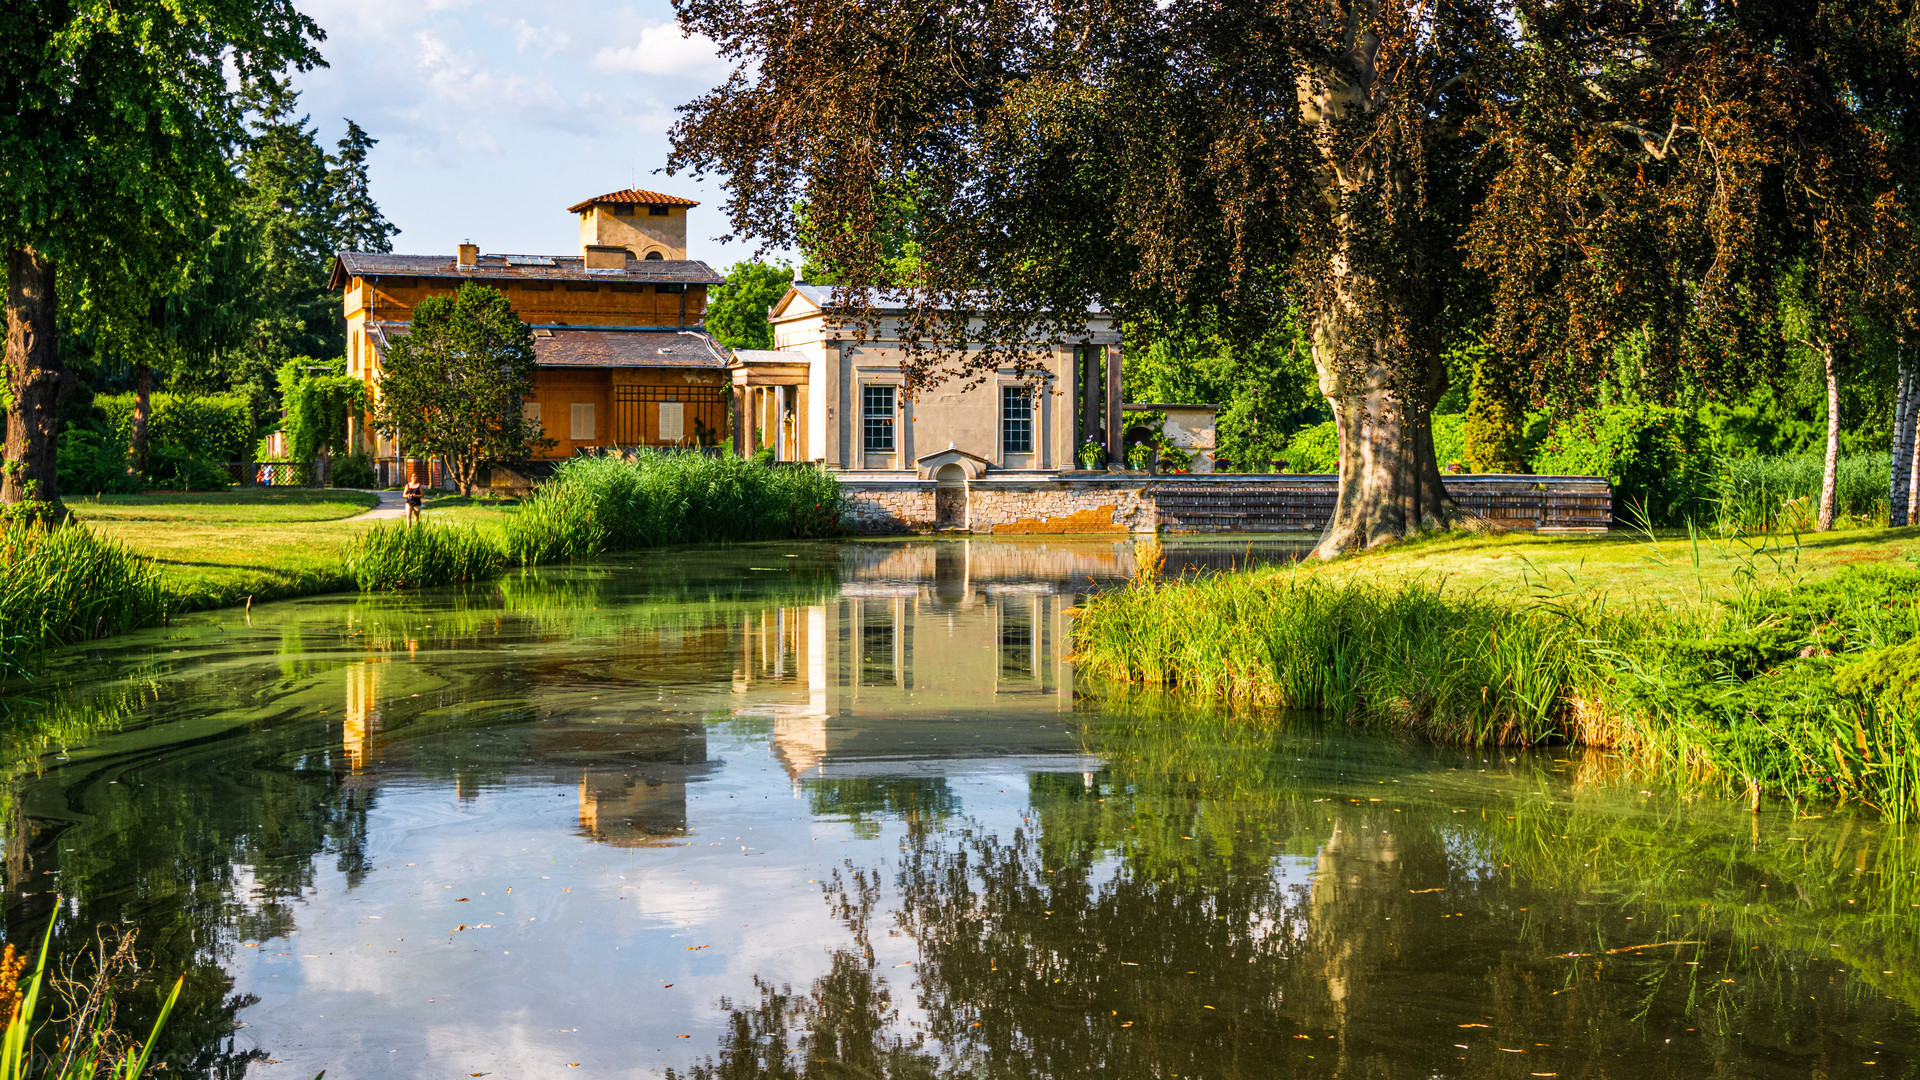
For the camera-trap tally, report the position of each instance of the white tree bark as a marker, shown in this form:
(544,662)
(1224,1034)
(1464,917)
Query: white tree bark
(1830,473)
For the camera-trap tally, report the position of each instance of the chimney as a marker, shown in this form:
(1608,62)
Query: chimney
(469,255)
(605,257)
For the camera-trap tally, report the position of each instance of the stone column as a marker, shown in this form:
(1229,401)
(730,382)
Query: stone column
(1115,452)
(1089,398)
(779,424)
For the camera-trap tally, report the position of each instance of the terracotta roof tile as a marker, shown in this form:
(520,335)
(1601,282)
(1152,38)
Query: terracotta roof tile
(633,196)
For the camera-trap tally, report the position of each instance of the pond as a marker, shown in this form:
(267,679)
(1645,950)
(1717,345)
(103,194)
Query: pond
(843,810)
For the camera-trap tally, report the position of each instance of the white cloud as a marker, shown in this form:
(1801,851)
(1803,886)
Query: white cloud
(663,49)
(550,41)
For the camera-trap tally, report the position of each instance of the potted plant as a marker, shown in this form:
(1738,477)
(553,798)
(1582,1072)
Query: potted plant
(1092,455)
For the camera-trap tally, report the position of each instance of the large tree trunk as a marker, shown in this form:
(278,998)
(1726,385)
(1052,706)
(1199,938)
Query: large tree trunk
(142,410)
(1390,485)
(1906,403)
(1377,358)
(1913,452)
(39,383)
(1830,474)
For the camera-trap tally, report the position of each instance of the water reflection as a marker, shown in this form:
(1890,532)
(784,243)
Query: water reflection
(841,810)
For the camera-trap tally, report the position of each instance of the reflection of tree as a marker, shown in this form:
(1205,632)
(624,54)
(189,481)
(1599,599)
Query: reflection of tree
(923,803)
(1227,900)
(842,1027)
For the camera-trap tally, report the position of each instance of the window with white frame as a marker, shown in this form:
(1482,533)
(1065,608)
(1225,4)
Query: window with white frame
(582,421)
(876,419)
(1016,420)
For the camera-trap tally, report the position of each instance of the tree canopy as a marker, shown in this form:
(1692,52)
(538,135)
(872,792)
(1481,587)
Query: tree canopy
(737,311)
(121,119)
(452,386)
(1581,172)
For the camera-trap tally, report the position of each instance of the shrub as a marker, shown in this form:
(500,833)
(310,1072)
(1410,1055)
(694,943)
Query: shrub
(1647,452)
(594,505)
(175,468)
(352,471)
(91,463)
(1313,449)
(400,557)
(66,584)
(213,428)
(1494,439)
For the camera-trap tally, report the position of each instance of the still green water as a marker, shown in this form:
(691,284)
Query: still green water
(842,811)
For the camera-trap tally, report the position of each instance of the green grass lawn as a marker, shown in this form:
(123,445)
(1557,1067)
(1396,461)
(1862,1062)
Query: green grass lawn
(219,548)
(1631,568)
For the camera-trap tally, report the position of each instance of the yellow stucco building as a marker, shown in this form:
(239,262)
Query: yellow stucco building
(623,359)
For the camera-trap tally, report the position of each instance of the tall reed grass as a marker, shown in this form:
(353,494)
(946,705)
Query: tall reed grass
(88,1048)
(66,583)
(398,557)
(604,504)
(1767,494)
(1797,688)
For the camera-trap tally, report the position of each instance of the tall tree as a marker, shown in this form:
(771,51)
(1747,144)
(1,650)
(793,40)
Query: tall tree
(1609,167)
(120,121)
(357,223)
(737,311)
(452,386)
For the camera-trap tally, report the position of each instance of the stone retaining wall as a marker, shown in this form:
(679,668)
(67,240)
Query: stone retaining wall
(1120,503)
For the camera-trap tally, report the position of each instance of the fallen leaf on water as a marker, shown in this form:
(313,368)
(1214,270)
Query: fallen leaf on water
(1209,1007)
(1417,892)
(1127,1024)
(1653,945)
(683,1036)
(457,929)
(1505,1050)
(461,900)
(1476,1025)
(251,945)
(696,948)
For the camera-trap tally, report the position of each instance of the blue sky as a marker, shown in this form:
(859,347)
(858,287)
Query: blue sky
(494,117)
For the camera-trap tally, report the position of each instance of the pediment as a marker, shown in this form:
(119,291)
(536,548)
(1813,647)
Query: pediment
(973,465)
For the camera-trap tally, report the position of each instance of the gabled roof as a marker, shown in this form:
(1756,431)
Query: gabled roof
(348,264)
(632,197)
(587,347)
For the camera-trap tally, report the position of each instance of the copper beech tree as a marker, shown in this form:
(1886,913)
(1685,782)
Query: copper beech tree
(1609,181)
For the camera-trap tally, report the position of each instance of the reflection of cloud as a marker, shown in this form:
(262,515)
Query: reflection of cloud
(663,50)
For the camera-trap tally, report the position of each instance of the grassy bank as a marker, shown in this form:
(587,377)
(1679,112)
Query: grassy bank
(1779,680)
(596,506)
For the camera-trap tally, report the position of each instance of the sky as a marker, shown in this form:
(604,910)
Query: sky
(494,117)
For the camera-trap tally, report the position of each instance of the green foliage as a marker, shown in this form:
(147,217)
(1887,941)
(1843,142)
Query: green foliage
(65,584)
(1653,456)
(352,471)
(1495,433)
(92,463)
(318,404)
(210,427)
(453,385)
(603,504)
(1762,494)
(1457,668)
(1803,689)
(1265,391)
(401,557)
(1313,449)
(737,311)
(90,1049)
(1890,675)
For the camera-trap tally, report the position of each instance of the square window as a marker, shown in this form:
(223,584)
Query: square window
(658,211)
(1016,420)
(876,418)
(530,410)
(582,421)
(673,421)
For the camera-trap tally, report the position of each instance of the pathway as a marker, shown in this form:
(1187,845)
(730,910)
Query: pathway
(393,506)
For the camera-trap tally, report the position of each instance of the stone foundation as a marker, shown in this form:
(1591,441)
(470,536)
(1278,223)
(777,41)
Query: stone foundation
(1011,503)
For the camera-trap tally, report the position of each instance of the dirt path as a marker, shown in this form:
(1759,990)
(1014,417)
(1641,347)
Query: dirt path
(393,506)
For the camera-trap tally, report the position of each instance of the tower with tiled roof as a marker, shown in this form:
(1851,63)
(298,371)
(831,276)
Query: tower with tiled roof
(649,224)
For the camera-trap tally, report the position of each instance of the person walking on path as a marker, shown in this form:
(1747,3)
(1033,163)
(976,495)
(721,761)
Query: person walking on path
(415,492)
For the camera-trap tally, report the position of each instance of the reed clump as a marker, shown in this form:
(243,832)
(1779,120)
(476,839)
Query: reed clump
(65,583)
(597,505)
(1782,492)
(398,557)
(1796,688)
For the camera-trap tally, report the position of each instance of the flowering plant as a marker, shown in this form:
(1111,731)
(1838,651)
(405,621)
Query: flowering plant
(1092,454)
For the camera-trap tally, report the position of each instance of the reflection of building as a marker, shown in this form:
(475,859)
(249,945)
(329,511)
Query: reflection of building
(360,721)
(926,656)
(632,777)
